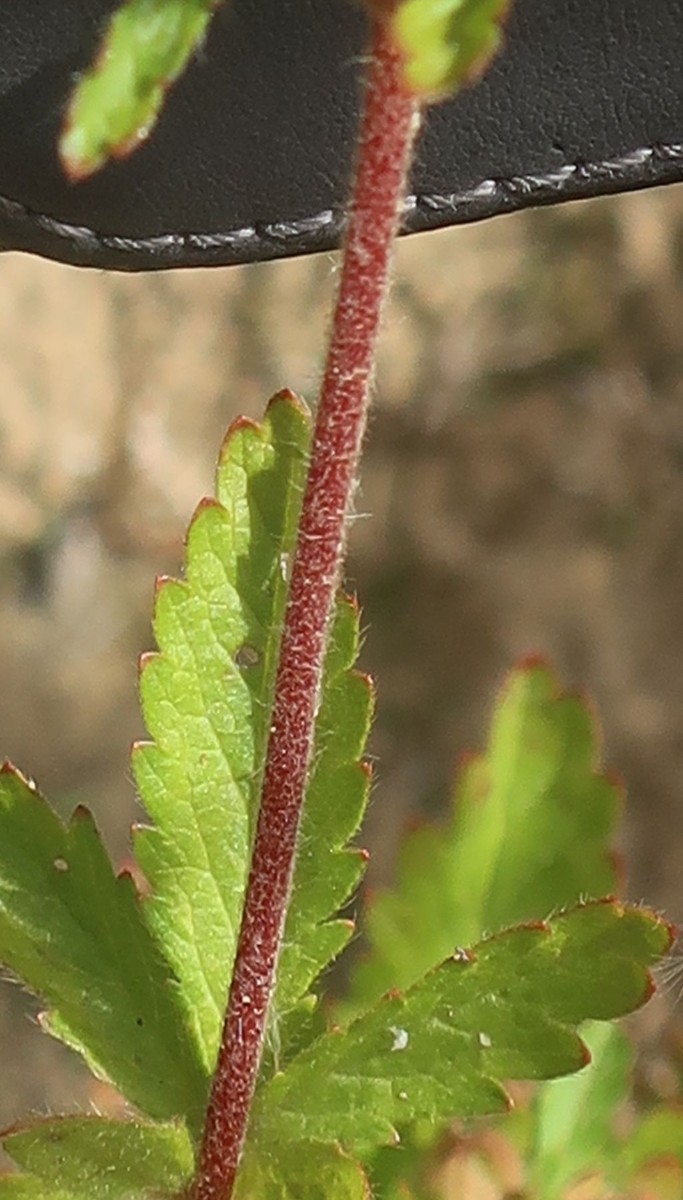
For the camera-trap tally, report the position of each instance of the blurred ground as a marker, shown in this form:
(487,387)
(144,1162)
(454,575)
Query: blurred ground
(524,476)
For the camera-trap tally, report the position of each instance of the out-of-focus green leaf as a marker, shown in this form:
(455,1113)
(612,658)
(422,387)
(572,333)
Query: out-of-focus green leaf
(115,105)
(206,699)
(508,1009)
(75,935)
(658,1135)
(530,833)
(97,1159)
(573,1118)
(447,43)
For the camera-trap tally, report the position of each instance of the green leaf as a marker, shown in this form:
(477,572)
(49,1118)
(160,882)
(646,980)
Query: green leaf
(74,933)
(301,1172)
(573,1118)
(508,1009)
(146,45)
(531,825)
(99,1159)
(659,1135)
(206,699)
(28,1187)
(447,43)
(326,870)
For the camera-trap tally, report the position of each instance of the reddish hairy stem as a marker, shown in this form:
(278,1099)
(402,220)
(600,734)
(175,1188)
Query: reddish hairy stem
(384,147)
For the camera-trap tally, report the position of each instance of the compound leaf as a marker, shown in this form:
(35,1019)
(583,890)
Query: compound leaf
(206,699)
(98,1159)
(508,1009)
(530,831)
(146,45)
(74,933)
(447,43)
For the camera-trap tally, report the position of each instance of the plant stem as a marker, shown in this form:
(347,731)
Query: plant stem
(385,140)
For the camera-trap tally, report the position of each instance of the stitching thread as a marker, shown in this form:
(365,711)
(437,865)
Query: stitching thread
(642,167)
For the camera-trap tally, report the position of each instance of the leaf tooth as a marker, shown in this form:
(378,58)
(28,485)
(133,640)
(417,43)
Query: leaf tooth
(287,396)
(144,659)
(160,581)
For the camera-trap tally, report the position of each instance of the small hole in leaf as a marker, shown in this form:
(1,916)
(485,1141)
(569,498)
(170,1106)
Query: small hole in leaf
(247,656)
(60,864)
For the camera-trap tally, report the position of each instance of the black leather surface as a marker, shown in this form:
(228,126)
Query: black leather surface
(251,157)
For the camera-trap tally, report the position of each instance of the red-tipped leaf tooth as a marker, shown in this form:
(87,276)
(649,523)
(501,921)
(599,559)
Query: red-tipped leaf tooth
(531,662)
(145,658)
(648,990)
(286,395)
(137,745)
(129,868)
(8,768)
(81,815)
(160,581)
(586,1055)
(206,502)
(367,679)
(362,853)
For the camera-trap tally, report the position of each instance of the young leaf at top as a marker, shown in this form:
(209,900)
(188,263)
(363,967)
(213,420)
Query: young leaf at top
(530,832)
(206,699)
(447,43)
(75,935)
(92,1158)
(573,1132)
(508,1009)
(146,46)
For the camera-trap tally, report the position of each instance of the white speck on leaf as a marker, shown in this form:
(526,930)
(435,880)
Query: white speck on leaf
(460,955)
(400,1038)
(484,1040)
(60,864)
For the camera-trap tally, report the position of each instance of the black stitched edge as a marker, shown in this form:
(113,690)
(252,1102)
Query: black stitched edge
(23,229)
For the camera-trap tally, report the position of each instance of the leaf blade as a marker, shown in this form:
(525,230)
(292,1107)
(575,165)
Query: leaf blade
(530,831)
(206,699)
(74,933)
(117,102)
(100,1159)
(518,998)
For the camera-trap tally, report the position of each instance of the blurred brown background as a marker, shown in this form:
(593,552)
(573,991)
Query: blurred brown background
(523,479)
